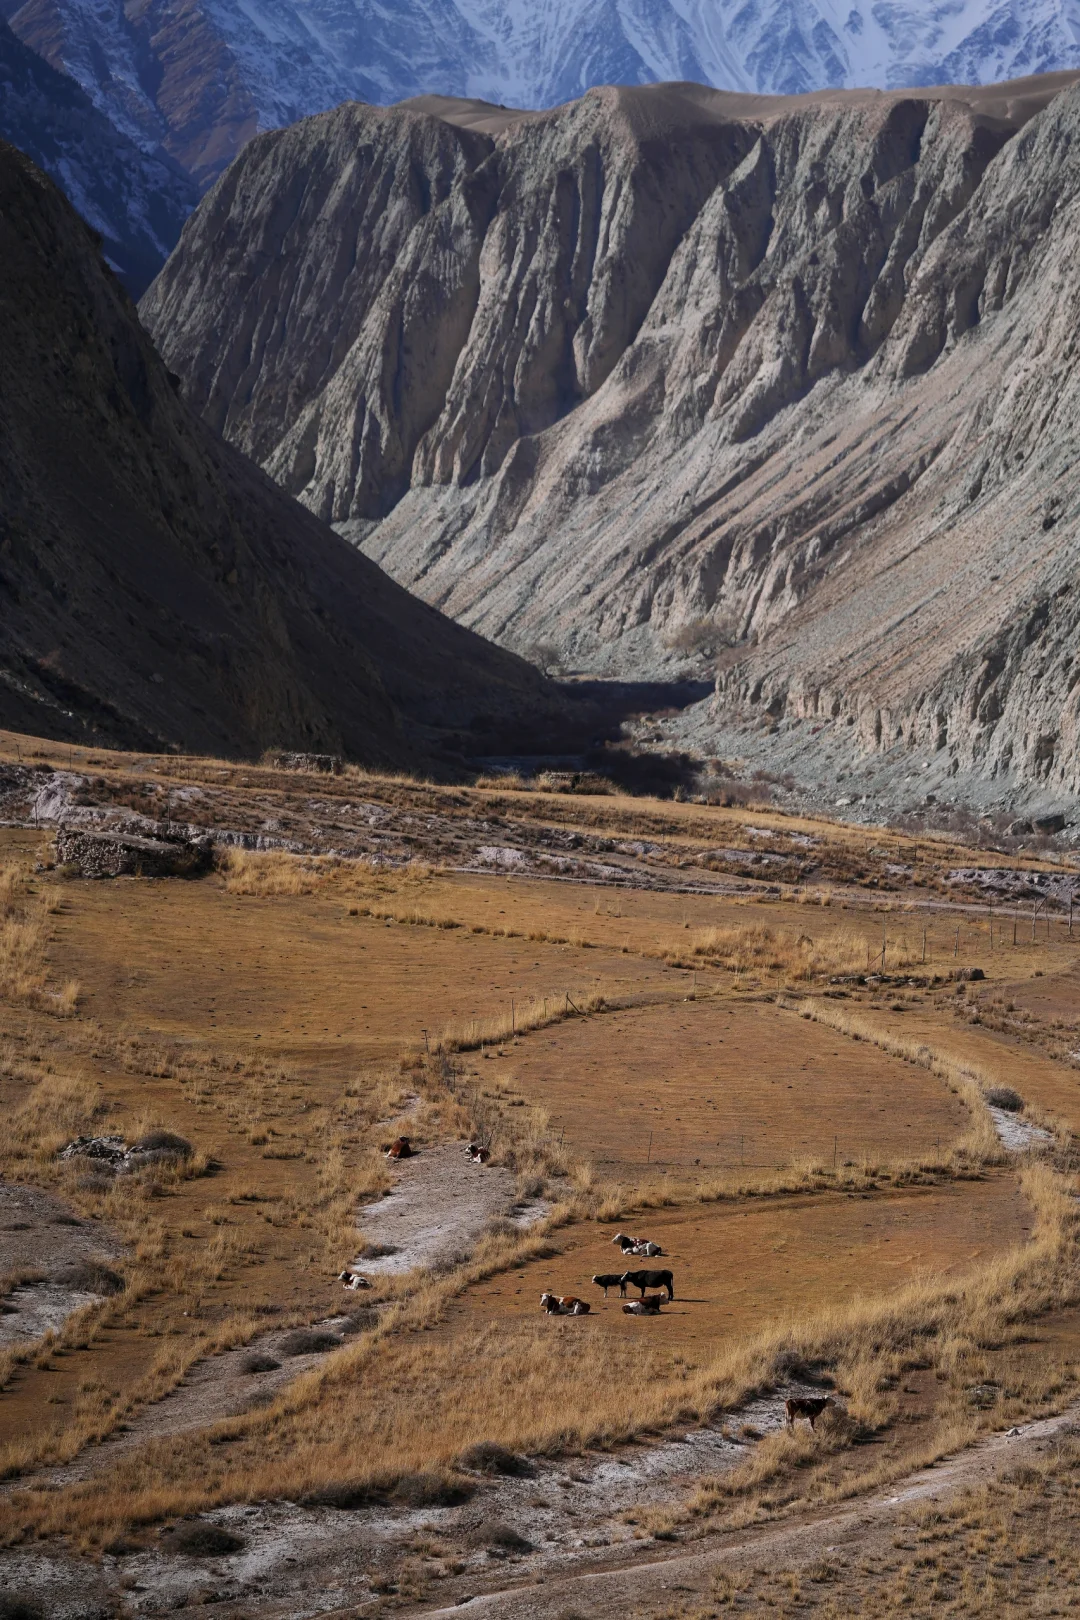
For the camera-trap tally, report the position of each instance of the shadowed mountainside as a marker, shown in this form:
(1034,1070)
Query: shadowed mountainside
(666,370)
(136,199)
(158,589)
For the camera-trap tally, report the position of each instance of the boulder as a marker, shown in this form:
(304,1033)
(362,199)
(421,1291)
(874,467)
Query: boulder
(111,854)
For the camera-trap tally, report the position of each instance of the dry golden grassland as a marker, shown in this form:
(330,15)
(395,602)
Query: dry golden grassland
(275,1015)
(1010,1547)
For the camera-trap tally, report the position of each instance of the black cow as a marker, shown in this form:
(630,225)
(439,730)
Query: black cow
(650,1279)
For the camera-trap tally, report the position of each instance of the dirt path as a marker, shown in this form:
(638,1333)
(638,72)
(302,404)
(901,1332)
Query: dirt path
(636,1587)
(438,1209)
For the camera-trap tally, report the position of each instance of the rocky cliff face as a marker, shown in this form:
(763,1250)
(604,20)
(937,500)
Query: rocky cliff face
(158,589)
(136,200)
(666,370)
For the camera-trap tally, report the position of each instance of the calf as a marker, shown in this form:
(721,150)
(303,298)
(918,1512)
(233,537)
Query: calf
(610,1279)
(563,1305)
(352,1279)
(400,1148)
(809,1407)
(650,1279)
(647,1305)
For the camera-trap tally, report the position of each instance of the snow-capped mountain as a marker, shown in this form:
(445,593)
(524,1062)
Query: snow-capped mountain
(136,200)
(202,76)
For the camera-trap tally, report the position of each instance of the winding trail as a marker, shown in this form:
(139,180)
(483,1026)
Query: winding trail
(631,1587)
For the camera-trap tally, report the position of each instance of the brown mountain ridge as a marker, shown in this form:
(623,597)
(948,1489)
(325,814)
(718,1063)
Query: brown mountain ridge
(158,590)
(666,372)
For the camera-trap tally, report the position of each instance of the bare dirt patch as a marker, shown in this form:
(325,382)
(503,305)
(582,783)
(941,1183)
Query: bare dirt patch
(439,1206)
(50,1254)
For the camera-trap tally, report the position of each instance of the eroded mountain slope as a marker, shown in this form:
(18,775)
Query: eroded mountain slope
(669,366)
(160,590)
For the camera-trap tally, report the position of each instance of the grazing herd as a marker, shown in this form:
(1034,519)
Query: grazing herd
(647,1305)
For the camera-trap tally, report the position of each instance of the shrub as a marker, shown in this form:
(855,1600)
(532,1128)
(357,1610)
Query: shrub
(502,1537)
(200,1539)
(165,1143)
(18,1606)
(488,1457)
(91,1277)
(431,1490)
(308,1342)
(257,1362)
(1004,1097)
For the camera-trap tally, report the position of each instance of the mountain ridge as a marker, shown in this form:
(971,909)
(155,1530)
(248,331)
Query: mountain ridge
(203,77)
(769,435)
(159,591)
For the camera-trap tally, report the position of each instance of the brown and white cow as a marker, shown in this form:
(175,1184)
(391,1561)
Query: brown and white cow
(478,1154)
(400,1148)
(807,1406)
(563,1305)
(648,1305)
(353,1279)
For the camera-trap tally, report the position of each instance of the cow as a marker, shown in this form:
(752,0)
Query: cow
(647,1305)
(650,1279)
(636,1246)
(563,1305)
(807,1406)
(478,1154)
(352,1279)
(610,1279)
(400,1148)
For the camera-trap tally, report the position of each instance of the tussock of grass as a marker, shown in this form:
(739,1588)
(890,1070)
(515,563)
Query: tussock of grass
(797,956)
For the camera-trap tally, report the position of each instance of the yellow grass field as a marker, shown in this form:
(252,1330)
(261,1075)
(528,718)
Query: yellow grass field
(808,1143)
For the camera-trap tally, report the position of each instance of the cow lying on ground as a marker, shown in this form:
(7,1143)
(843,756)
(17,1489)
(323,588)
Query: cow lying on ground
(633,1245)
(352,1279)
(563,1305)
(647,1305)
(807,1406)
(610,1279)
(650,1279)
(478,1154)
(400,1148)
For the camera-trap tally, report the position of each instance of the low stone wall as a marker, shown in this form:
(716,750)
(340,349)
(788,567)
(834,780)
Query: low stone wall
(328,764)
(106,855)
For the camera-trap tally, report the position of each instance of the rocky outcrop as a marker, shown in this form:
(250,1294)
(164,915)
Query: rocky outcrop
(136,200)
(666,370)
(109,855)
(159,591)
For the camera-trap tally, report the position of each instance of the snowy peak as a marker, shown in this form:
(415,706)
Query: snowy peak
(202,76)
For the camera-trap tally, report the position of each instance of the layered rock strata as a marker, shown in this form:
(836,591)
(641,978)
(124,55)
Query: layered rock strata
(667,371)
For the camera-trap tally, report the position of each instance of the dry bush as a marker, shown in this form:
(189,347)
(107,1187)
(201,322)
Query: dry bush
(273,872)
(796,956)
